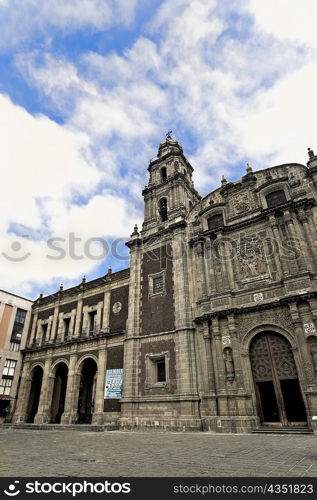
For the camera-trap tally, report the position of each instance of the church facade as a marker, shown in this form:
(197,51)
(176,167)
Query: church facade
(213,326)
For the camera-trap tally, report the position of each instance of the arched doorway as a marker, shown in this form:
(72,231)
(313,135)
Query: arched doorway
(278,392)
(87,391)
(36,385)
(59,393)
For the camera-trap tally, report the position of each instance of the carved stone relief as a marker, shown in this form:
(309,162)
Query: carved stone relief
(241,203)
(251,258)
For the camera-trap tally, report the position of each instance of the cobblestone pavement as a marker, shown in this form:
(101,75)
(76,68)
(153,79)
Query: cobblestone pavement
(95,454)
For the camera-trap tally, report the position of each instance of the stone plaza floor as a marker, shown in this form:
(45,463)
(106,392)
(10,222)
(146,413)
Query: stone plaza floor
(136,454)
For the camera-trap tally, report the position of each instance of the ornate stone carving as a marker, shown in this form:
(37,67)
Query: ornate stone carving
(251,257)
(241,203)
(117,306)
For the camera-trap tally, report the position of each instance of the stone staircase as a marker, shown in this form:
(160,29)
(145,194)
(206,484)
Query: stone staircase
(282,430)
(62,427)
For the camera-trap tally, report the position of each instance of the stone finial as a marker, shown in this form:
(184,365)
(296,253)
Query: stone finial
(109,271)
(135,233)
(83,281)
(223,181)
(61,288)
(41,296)
(312,162)
(249,168)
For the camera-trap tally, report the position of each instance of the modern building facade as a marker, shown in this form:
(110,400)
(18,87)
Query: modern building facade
(15,313)
(212,328)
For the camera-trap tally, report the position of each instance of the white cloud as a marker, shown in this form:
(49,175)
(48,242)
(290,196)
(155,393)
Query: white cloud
(46,172)
(289,19)
(20,21)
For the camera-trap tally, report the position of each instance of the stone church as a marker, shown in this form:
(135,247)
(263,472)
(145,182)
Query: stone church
(213,326)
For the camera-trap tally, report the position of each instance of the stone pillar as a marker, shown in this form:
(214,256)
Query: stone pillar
(106,312)
(210,368)
(310,241)
(33,330)
(200,278)
(296,241)
(236,352)
(220,249)
(54,325)
(97,417)
(277,239)
(23,396)
(78,317)
(42,415)
(70,411)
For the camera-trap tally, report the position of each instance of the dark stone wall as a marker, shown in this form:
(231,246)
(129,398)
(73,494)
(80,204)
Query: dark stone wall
(93,300)
(67,308)
(46,313)
(118,320)
(156,347)
(114,360)
(157,313)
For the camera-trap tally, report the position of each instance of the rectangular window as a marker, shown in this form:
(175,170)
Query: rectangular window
(20,316)
(215,221)
(66,327)
(276,198)
(14,346)
(158,284)
(161,371)
(5,386)
(92,321)
(9,367)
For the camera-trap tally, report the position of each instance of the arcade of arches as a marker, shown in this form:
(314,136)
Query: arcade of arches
(49,404)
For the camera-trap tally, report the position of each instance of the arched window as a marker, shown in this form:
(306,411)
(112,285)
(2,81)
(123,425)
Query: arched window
(215,221)
(163,174)
(163,209)
(276,198)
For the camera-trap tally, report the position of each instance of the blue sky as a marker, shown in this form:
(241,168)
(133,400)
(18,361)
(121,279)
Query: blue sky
(88,89)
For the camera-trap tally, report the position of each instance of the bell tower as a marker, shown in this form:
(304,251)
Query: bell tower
(170,192)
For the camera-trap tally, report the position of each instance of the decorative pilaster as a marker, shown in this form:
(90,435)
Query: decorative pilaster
(70,406)
(97,417)
(42,415)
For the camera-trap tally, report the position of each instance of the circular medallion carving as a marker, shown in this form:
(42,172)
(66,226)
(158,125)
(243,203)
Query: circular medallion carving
(117,306)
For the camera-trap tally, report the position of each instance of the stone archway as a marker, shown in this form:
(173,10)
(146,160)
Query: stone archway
(59,392)
(278,392)
(86,396)
(35,392)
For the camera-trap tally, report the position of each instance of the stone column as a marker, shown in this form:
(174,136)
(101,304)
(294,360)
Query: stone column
(42,415)
(23,396)
(106,311)
(209,363)
(223,264)
(33,329)
(200,277)
(78,317)
(296,240)
(309,238)
(97,417)
(54,325)
(236,352)
(281,263)
(70,412)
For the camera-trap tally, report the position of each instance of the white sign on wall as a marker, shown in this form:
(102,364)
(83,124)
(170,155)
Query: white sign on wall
(113,384)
